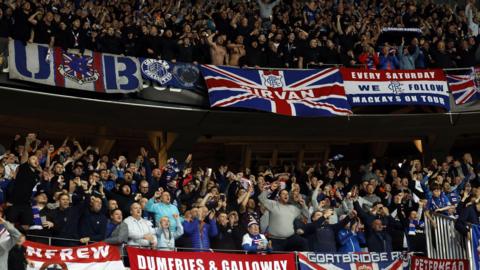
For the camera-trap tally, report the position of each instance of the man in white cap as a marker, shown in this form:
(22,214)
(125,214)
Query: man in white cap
(254,241)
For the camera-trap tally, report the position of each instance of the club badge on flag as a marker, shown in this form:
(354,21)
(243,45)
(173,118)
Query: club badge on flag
(90,71)
(168,74)
(463,86)
(288,92)
(95,256)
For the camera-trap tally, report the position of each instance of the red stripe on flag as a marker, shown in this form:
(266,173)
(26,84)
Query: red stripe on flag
(97,65)
(281,106)
(57,61)
(461,86)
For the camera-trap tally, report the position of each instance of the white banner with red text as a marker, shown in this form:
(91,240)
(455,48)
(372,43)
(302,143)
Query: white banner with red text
(90,257)
(143,259)
(396,87)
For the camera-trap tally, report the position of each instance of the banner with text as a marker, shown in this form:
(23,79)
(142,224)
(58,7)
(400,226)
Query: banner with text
(95,256)
(143,259)
(307,93)
(90,71)
(396,87)
(352,261)
(423,263)
(167,74)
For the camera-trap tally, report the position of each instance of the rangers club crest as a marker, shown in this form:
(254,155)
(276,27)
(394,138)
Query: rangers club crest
(157,70)
(273,81)
(78,68)
(186,74)
(395,87)
(53,266)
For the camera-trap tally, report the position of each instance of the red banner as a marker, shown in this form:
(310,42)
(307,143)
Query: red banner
(422,263)
(143,259)
(95,256)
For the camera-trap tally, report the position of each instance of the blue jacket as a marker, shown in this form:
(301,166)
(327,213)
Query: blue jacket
(388,62)
(350,242)
(200,240)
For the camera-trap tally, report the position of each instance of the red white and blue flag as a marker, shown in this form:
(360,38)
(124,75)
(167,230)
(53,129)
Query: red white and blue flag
(463,87)
(304,93)
(353,261)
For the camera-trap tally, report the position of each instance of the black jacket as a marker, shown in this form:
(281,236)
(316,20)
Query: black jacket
(26,179)
(379,242)
(93,225)
(468,215)
(324,234)
(227,238)
(16,258)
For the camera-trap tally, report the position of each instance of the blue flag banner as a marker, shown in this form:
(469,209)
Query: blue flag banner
(168,74)
(476,246)
(396,87)
(90,71)
(353,261)
(314,92)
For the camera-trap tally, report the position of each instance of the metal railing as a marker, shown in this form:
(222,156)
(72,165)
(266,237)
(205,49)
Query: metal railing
(443,240)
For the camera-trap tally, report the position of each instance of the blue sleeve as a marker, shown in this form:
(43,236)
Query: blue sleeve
(396,63)
(361,238)
(189,227)
(447,201)
(249,248)
(212,229)
(343,236)
(425,188)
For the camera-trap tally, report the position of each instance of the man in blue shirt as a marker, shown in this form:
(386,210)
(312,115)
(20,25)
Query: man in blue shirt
(160,206)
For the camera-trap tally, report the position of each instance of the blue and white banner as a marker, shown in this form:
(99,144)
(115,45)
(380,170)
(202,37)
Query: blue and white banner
(396,87)
(353,261)
(89,71)
(476,246)
(167,74)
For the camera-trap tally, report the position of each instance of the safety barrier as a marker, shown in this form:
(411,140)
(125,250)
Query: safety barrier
(443,240)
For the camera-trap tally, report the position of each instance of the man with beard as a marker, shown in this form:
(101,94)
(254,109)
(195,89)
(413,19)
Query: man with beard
(281,217)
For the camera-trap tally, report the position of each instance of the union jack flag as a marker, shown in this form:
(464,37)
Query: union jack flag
(78,68)
(463,87)
(292,92)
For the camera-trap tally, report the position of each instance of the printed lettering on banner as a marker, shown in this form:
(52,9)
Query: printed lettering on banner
(95,256)
(399,87)
(144,259)
(353,261)
(423,263)
(89,71)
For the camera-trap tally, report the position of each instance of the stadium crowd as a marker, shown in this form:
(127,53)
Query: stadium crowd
(261,33)
(77,196)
